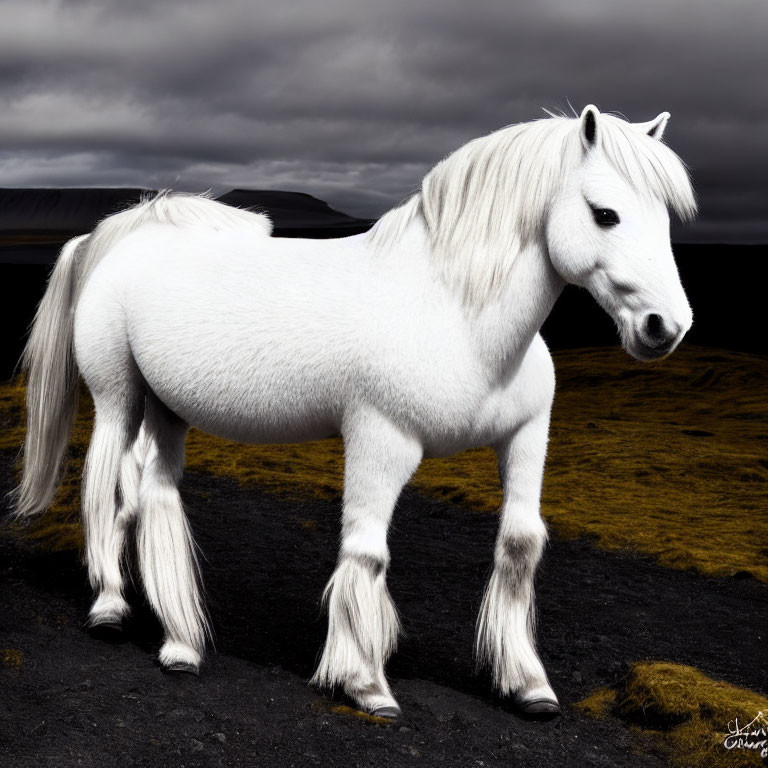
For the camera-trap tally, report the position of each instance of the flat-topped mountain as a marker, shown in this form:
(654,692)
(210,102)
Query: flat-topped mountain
(28,214)
(295,211)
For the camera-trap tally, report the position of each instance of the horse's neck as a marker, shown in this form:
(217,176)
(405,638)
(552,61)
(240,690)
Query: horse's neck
(505,327)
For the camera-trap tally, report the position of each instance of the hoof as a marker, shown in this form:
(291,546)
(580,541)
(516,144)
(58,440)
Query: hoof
(179,657)
(543,709)
(182,667)
(388,712)
(110,631)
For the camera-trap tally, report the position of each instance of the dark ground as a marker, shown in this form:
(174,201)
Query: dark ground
(77,701)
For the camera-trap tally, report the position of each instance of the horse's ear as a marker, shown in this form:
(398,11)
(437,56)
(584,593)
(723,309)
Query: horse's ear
(655,128)
(589,119)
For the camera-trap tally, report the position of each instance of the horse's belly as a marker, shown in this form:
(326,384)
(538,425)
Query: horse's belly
(249,414)
(260,428)
(237,388)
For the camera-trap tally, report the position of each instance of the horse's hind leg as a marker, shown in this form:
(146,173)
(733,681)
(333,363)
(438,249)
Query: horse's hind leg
(167,560)
(110,608)
(505,627)
(110,492)
(362,621)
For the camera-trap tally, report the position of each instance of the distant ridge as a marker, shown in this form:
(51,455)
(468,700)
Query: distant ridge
(61,213)
(296,212)
(67,211)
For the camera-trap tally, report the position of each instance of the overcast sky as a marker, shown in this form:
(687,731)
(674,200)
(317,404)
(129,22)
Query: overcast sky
(354,101)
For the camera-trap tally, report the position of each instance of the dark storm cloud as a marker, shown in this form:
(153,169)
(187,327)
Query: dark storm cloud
(354,104)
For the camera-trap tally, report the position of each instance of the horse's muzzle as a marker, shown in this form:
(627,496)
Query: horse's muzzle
(656,337)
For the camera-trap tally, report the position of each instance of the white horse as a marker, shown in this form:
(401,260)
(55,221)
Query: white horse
(418,338)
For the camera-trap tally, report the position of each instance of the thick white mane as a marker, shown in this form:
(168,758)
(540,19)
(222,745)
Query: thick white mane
(487,201)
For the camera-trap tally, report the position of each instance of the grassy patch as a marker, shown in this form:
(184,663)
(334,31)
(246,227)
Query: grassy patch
(689,713)
(325,706)
(59,528)
(669,459)
(346,711)
(600,703)
(11,658)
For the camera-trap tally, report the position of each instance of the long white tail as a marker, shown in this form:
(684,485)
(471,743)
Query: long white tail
(49,362)
(49,359)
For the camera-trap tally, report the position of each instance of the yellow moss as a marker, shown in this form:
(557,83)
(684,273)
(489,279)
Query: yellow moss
(326,706)
(59,528)
(11,658)
(314,469)
(598,704)
(689,713)
(360,715)
(666,690)
(669,459)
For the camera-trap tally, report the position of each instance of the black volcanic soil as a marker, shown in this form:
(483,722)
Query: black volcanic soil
(77,701)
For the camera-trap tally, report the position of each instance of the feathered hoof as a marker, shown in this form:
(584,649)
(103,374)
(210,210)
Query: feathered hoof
(179,658)
(388,712)
(182,668)
(540,708)
(109,630)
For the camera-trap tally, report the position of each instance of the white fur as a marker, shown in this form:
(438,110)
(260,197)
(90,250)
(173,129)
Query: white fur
(418,338)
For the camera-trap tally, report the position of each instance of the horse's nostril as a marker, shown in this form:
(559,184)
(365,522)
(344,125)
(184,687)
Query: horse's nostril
(654,324)
(655,330)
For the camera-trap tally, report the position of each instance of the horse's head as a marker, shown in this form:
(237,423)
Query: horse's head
(608,229)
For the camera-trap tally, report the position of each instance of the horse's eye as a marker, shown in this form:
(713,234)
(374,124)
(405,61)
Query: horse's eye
(605,217)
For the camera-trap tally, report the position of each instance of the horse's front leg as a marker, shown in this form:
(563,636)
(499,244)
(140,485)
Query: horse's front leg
(362,620)
(505,632)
